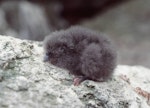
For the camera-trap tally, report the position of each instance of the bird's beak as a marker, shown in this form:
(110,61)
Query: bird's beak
(46,58)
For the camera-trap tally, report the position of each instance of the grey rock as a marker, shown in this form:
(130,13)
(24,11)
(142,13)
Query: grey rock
(24,20)
(27,82)
(3,23)
(32,21)
(18,84)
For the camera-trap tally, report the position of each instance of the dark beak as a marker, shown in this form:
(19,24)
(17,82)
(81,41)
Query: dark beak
(46,58)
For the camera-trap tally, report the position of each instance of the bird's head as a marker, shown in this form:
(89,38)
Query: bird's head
(57,51)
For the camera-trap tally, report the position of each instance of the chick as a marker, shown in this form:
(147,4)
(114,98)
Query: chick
(85,53)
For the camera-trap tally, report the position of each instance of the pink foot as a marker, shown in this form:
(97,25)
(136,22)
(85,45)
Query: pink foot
(78,80)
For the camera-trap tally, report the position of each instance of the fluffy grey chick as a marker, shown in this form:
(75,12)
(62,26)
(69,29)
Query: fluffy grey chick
(85,53)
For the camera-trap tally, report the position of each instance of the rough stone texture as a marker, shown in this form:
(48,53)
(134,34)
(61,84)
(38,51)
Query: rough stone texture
(27,82)
(129,26)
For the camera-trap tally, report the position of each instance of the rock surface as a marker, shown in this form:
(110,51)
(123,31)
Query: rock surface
(27,82)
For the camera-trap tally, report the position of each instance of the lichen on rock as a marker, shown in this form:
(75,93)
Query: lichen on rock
(27,82)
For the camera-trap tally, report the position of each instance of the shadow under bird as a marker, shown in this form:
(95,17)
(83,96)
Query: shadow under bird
(87,54)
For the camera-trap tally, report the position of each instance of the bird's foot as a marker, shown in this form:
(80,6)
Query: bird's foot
(78,80)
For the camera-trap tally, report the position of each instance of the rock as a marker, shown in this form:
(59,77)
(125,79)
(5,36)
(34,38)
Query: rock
(27,82)
(25,19)
(79,10)
(37,26)
(20,83)
(129,25)
(3,23)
